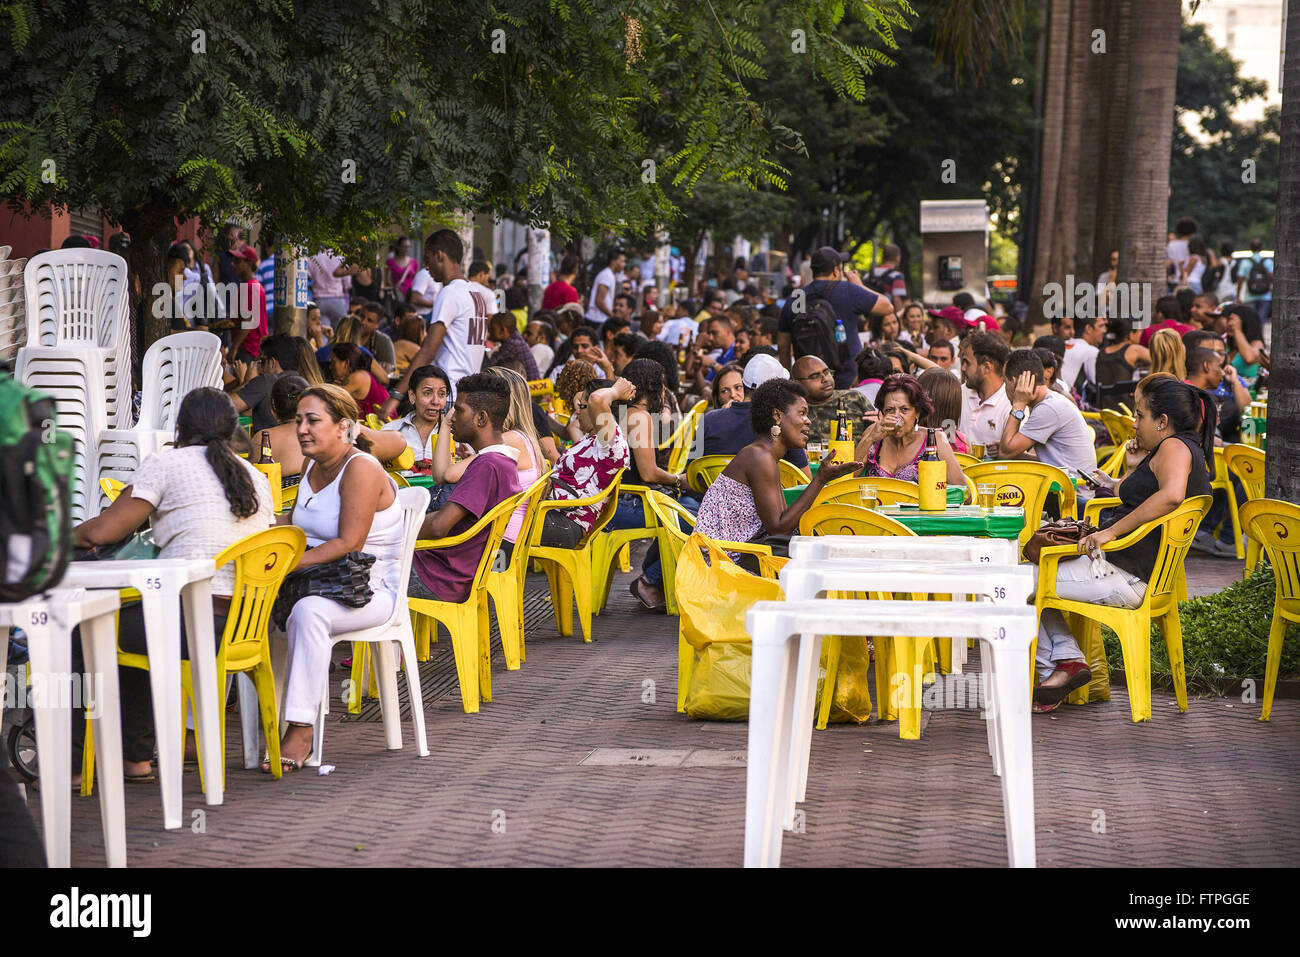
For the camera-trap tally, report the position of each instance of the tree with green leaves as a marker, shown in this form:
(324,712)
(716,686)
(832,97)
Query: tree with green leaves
(324,119)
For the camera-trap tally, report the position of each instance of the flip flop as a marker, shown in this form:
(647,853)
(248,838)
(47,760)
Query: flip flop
(1040,708)
(286,764)
(147,778)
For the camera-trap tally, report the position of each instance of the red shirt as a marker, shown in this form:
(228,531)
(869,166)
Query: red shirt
(253,294)
(558,294)
(1150,331)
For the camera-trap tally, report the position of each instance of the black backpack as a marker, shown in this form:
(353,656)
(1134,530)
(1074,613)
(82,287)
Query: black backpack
(1212,277)
(1260,280)
(882,284)
(812,332)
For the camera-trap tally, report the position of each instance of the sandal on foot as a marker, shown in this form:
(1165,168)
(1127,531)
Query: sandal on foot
(286,764)
(645,593)
(1040,708)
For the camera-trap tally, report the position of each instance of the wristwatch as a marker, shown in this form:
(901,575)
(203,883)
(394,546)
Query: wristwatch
(1018,414)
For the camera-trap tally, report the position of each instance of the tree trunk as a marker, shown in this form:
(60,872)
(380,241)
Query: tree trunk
(1111,180)
(1143,215)
(1057,30)
(1282,475)
(1065,222)
(1090,140)
(539,265)
(152,228)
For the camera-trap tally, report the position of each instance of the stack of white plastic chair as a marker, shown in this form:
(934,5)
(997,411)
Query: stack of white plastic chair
(79,350)
(13,307)
(173,367)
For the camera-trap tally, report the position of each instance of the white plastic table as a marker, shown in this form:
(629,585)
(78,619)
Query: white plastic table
(777,630)
(802,579)
(164,584)
(48,620)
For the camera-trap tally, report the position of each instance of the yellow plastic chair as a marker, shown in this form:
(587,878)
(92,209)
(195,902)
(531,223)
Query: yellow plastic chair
(677,524)
(113,488)
(506,588)
(790,475)
(467,621)
(701,472)
(965,460)
(1121,427)
(1021,482)
(373,421)
(403,463)
(680,441)
(610,546)
(894,654)
(569,571)
(889,491)
(261,562)
(1247,464)
(1159,604)
(1223,480)
(1276,526)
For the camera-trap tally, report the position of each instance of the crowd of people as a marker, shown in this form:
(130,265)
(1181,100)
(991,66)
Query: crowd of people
(433,349)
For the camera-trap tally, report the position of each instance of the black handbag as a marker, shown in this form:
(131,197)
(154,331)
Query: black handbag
(345,580)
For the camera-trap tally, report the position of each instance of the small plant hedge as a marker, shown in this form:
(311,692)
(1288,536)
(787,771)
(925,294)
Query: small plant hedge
(1225,636)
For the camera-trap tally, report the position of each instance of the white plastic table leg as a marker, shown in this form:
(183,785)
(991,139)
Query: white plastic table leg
(49,649)
(208,698)
(1015,745)
(99,649)
(805,717)
(991,713)
(162,627)
(767,774)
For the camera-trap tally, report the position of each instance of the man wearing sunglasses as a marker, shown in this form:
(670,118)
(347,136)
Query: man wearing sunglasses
(818,381)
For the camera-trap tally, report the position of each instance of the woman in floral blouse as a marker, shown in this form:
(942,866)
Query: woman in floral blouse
(595,460)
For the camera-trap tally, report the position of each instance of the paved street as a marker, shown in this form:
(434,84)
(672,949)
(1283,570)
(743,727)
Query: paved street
(519,784)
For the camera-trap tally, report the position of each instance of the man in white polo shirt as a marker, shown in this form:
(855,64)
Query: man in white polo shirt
(1043,420)
(458,327)
(985,405)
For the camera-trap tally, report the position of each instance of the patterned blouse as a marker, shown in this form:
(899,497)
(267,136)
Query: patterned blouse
(586,468)
(911,472)
(727,512)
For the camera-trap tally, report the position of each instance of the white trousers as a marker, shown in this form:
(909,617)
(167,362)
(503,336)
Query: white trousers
(1080,579)
(312,625)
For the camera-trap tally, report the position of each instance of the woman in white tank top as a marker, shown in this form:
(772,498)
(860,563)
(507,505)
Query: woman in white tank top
(346,502)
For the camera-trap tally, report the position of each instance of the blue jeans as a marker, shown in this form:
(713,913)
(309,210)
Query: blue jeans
(631,514)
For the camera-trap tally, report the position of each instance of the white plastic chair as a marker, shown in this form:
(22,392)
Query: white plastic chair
(48,621)
(173,367)
(78,298)
(778,628)
(803,579)
(64,374)
(13,308)
(413,502)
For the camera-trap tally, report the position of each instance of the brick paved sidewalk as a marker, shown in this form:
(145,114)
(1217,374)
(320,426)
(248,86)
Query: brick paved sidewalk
(1213,787)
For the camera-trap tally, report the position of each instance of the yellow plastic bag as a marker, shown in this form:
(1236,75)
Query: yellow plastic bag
(852,701)
(713,595)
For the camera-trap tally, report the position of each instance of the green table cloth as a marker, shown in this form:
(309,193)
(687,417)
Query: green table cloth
(956,493)
(420,481)
(959,520)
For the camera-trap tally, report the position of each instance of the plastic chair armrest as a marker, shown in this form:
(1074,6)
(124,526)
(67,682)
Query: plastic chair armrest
(1093,509)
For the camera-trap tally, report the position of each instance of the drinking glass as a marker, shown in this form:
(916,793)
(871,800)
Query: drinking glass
(815,450)
(977,451)
(869,495)
(987,492)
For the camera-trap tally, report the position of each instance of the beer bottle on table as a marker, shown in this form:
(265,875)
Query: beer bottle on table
(932,477)
(842,439)
(266,458)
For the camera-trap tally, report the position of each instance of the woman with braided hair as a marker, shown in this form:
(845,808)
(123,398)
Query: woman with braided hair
(202,497)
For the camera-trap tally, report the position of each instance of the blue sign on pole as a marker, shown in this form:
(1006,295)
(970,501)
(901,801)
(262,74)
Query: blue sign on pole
(300,294)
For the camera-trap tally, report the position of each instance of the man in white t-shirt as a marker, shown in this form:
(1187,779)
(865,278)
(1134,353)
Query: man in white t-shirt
(601,304)
(1043,420)
(423,291)
(985,406)
(1176,252)
(458,327)
(1081,352)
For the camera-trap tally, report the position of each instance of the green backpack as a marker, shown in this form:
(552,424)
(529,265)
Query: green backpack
(36,475)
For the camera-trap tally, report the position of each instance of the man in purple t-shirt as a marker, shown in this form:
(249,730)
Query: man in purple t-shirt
(446,574)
